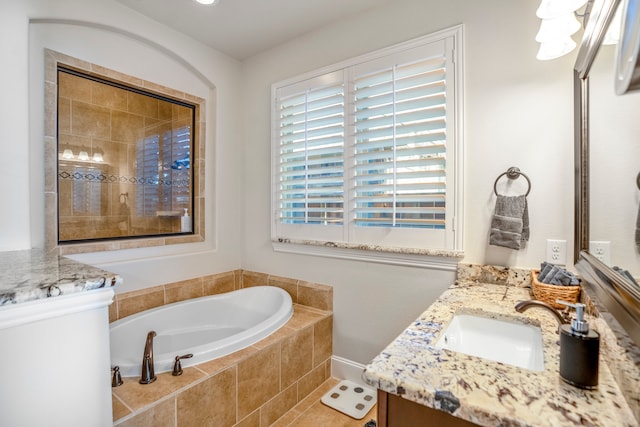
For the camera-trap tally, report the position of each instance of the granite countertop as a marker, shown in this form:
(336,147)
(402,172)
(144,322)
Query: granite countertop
(35,274)
(486,392)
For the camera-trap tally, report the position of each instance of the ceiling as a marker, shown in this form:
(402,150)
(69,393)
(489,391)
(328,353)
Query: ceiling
(242,28)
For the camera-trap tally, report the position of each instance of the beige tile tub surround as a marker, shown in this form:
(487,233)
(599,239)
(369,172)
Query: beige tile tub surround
(107,128)
(305,293)
(251,387)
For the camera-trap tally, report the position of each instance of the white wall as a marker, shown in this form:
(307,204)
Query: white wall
(111,35)
(518,112)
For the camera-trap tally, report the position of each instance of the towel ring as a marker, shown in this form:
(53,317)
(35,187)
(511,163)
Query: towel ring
(514,173)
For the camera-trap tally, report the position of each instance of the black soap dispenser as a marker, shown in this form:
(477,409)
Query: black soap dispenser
(579,350)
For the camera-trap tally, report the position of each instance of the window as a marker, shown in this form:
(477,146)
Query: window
(368,152)
(125,157)
(124,161)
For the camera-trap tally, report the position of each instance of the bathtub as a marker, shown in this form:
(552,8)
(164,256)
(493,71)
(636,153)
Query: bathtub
(208,327)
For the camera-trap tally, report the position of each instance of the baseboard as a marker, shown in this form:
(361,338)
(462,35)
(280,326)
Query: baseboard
(345,369)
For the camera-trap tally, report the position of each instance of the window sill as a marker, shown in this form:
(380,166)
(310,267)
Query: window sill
(423,258)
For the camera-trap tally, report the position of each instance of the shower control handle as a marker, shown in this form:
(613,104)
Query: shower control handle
(177,366)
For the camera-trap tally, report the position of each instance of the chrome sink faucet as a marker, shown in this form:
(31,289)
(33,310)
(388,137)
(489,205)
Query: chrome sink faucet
(148,375)
(522,306)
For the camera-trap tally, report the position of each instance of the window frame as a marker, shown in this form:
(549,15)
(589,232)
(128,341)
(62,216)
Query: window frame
(323,245)
(53,60)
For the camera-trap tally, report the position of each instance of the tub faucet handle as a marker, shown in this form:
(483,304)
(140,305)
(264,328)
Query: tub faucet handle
(177,366)
(117,378)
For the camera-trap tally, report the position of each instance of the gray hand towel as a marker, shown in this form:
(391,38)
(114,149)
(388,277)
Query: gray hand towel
(510,222)
(638,230)
(525,221)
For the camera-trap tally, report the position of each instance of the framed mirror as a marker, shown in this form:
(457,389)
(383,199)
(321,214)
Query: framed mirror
(607,194)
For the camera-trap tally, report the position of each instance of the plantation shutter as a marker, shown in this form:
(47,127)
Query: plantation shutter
(147,158)
(180,164)
(367,153)
(310,161)
(400,145)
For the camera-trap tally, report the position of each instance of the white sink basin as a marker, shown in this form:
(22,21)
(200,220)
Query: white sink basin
(509,342)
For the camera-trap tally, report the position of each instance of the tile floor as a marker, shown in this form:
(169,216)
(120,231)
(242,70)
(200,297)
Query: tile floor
(312,412)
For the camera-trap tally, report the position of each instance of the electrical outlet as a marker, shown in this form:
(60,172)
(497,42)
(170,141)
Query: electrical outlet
(557,251)
(601,250)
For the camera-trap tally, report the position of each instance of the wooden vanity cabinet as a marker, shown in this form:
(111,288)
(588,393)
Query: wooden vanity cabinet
(394,411)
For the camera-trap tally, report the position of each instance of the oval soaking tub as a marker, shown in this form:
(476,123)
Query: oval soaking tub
(209,327)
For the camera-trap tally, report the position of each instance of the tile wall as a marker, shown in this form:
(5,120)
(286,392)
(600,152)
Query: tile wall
(252,387)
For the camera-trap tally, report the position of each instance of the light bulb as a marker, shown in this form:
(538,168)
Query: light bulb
(97,157)
(554,8)
(556,28)
(83,156)
(555,49)
(67,154)
(207,1)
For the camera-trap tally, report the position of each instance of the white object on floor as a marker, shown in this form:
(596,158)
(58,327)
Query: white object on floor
(350,398)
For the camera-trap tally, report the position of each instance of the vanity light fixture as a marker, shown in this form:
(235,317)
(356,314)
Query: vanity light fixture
(558,24)
(553,8)
(84,155)
(556,48)
(557,28)
(212,2)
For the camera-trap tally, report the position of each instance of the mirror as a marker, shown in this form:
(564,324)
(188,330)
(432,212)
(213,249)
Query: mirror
(614,196)
(602,152)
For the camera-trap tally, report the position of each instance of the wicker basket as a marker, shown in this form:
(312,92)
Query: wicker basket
(551,293)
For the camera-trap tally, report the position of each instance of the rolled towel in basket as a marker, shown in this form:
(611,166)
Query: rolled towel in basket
(510,222)
(555,275)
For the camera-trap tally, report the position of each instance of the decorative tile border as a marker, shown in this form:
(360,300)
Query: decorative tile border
(107,178)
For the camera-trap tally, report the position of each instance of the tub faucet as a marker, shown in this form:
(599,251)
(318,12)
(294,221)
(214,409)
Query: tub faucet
(148,375)
(522,306)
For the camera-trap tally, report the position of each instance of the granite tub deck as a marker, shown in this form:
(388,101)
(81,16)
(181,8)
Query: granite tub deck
(485,392)
(35,274)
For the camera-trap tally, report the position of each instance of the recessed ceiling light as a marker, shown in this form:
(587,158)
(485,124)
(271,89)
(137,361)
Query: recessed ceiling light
(207,1)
